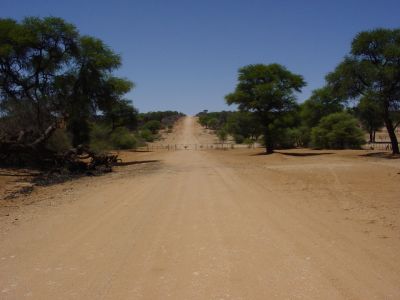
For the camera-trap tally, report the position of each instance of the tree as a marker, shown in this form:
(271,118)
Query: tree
(34,55)
(50,77)
(47,67)
(243,125)
(372,69)
(222,135)
(212,123)
(321,103)
(154,126)
(267,91)
(369,113)
(122,113)
(337,131)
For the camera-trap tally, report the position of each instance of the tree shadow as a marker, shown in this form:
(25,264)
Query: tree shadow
(305,153)
(19,175)
(136,162)
(294,153)
(385,155)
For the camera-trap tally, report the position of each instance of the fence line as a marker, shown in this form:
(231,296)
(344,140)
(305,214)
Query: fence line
(196,147)
(379,146)
(386,146)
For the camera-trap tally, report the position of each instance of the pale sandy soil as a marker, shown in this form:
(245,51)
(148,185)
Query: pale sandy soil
(210,225)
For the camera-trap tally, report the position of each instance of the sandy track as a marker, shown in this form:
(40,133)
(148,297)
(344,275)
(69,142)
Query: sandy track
(214,225)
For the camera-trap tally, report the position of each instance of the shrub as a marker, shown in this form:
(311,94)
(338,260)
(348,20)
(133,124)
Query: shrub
(102,139)
(122,138)
(239,139)
(222,135)
(337,131)
(288,138)
(99,138)
(146,135)
(59,142)
(212,123)
(154,126)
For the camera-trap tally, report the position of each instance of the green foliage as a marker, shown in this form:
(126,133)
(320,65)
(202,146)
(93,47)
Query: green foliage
(321,103)
(370,115)
(166,118)
(372,69)
(243,125)
(239,139)
(100,138)
(122,138)
(60,75)
(122,113)
(222,135)
(269,92)
(337,131)
(212,123)
(219,119)
(154,126)
(103,139)
(59,142)
(147,135)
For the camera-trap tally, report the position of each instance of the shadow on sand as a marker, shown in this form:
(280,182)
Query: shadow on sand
(295,153)
(136,162)
(386,155)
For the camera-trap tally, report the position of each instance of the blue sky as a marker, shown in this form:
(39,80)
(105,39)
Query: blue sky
(184,55)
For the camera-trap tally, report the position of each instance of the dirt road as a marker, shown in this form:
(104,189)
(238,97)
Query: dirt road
(212,225)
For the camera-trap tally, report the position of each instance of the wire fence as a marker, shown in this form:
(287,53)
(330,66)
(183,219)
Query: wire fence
(386,146)
(383,146)
(195,147)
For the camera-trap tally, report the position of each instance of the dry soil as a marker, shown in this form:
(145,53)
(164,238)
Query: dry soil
(213,224)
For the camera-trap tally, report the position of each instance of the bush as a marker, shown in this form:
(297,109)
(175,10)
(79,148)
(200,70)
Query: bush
(222,135)
(99,138)
(122,138)
(337,131)
(147,135)
(288,138)
(239,139)
(59,142)
(102,139)
(212,123)
(154,126)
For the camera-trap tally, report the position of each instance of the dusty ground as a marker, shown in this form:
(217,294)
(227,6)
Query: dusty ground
(211,225)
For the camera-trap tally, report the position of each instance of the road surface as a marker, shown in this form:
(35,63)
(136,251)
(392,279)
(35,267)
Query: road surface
(195,227)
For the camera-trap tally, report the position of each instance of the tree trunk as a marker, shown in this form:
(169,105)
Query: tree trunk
(269,144)
(391,132)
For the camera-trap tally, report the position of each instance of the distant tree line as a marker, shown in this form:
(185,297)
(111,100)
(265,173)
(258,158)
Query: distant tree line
(242,126)
(362,92)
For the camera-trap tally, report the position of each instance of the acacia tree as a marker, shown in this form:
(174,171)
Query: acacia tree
(268,91)
(321,103)
(368,111)
(243,125)
(33,55)
(372,69)
(122,114)
(56,74)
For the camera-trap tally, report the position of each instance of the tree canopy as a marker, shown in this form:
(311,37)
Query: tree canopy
(372,69)
(55,74)
(337,131)
(321,103)
(268,91)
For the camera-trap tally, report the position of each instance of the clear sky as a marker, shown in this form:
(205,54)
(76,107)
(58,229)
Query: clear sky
(184,55)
